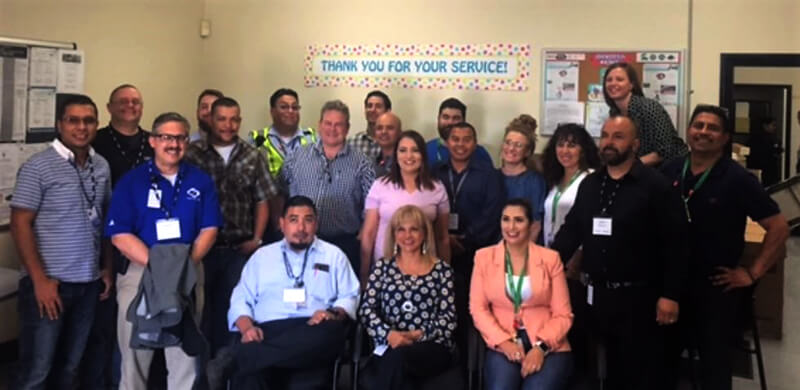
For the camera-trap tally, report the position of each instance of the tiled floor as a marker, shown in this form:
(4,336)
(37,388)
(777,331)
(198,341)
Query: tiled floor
(782,358)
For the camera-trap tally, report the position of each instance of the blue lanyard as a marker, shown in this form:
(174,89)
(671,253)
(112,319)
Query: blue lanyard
(298,280)
(156,188)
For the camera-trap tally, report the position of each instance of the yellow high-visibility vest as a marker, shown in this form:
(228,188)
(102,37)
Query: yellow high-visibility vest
(274,157)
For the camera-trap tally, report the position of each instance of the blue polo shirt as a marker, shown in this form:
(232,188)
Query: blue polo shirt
(438,152)
(195,204)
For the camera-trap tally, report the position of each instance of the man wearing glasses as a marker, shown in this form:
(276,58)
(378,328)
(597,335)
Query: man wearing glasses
(164,201)
(336,176)
(285,135)
(57,208)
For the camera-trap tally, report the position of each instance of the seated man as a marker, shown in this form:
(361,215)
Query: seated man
(292,306)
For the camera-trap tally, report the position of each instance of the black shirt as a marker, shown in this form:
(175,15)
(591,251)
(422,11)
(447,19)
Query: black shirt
(123,152)
(647,243)
(719,209)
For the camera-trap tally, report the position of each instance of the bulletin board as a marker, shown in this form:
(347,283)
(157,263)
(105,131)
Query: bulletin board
(34,76)
(572,84)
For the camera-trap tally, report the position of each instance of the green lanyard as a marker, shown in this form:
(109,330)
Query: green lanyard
(516,290)
(691,190)
(557,195)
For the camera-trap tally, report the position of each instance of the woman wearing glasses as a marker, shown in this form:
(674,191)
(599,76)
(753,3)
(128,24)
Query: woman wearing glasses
(520,304)
(518,168)
(623,93)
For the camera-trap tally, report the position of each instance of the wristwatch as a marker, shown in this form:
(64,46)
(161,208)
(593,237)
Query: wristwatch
(542,347)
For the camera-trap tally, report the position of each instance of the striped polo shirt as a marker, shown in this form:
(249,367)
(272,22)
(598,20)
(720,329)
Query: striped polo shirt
(338,187)
(51,185)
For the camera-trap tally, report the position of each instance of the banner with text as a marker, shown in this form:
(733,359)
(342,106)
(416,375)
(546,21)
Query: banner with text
(435,66)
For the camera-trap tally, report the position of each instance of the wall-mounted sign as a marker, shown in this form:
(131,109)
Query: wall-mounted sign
(443,66)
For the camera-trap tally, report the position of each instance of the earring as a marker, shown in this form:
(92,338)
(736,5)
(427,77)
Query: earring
(396,249)
(424,248)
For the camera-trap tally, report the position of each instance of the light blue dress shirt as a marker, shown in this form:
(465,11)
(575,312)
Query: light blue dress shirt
(329,281)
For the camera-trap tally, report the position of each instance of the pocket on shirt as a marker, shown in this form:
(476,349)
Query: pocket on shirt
(321,290)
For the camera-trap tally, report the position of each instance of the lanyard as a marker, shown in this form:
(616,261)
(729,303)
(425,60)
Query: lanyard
(438,149)
(175,193)
(610,198)
(557,195)
(456,189)
(516,290)
(691,190)
(298,280)
(89,199)
(122,151)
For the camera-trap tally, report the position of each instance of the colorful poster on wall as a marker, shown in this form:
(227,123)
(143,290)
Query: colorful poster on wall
(488,67)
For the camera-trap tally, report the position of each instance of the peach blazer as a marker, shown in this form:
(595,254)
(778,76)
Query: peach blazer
(547,314)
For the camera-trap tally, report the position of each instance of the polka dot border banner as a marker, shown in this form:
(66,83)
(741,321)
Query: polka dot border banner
(479,67)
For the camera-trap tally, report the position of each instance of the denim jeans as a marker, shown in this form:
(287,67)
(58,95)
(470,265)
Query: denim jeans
(502,374)
(51,350)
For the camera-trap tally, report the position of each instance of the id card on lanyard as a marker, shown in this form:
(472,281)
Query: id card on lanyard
(453,221)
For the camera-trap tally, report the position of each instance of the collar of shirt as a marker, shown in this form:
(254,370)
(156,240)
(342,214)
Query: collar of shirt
(634,173)
(342,152)
(297,134)
(207,147)
(311,248)
(365,136)
(65,153)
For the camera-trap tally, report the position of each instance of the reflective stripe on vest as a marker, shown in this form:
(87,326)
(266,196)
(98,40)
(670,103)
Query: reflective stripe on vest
(274,157)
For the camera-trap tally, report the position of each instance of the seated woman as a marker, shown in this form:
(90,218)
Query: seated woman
(520,304)
(408,307)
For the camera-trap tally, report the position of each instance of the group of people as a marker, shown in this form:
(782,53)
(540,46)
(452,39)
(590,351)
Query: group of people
(247,261)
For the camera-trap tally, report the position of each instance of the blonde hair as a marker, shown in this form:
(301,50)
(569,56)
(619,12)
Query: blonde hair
(525,125)
(415,215)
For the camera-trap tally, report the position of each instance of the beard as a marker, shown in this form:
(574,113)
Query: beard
(614,157)
(298,246)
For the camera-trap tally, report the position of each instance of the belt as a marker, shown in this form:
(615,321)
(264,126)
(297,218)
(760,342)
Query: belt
(587,280)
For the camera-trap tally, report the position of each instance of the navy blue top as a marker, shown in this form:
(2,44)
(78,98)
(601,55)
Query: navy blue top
(719,210)
(196,205)
(478,204)
(438,152)
(528,185)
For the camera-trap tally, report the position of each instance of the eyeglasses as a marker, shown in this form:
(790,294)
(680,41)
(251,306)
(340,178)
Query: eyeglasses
(171,138)
(76,121)
(286,107)
(514,144)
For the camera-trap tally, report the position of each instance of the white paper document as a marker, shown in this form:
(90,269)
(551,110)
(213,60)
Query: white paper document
(42,108)
(70,71)
(562,80)
(44,67)
(556,113)
(596,115)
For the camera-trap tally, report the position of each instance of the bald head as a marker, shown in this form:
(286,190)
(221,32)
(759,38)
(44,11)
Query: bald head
(387,130)
(619,140)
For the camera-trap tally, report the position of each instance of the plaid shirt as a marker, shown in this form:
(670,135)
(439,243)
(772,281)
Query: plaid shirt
(363,142)
(241,183)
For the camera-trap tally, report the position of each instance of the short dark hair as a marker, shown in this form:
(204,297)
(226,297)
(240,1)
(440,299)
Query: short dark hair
(633,77)
(74,100)
(425,180)
(299,201)
(461,125)
(209,92)
(273,99)
(720,112)
(170,117)
(521,202)
(117,89)
(553,171)
(455,104)
(386,101)
(224,102)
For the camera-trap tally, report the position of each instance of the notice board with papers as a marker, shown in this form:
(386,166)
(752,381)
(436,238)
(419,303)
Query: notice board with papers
(34,74)
(572,85)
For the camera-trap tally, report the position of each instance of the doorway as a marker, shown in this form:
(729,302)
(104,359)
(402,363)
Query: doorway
(763,122)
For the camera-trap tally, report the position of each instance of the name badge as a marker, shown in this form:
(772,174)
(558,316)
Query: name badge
(601,226)
(452,222)
(590,295)
(94,216)
(167,229)
(154,199)
(294,295)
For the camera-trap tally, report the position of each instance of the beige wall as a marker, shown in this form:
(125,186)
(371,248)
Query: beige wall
(782,76)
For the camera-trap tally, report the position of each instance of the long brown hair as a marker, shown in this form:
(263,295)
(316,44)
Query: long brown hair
(424,177)
(633,77)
